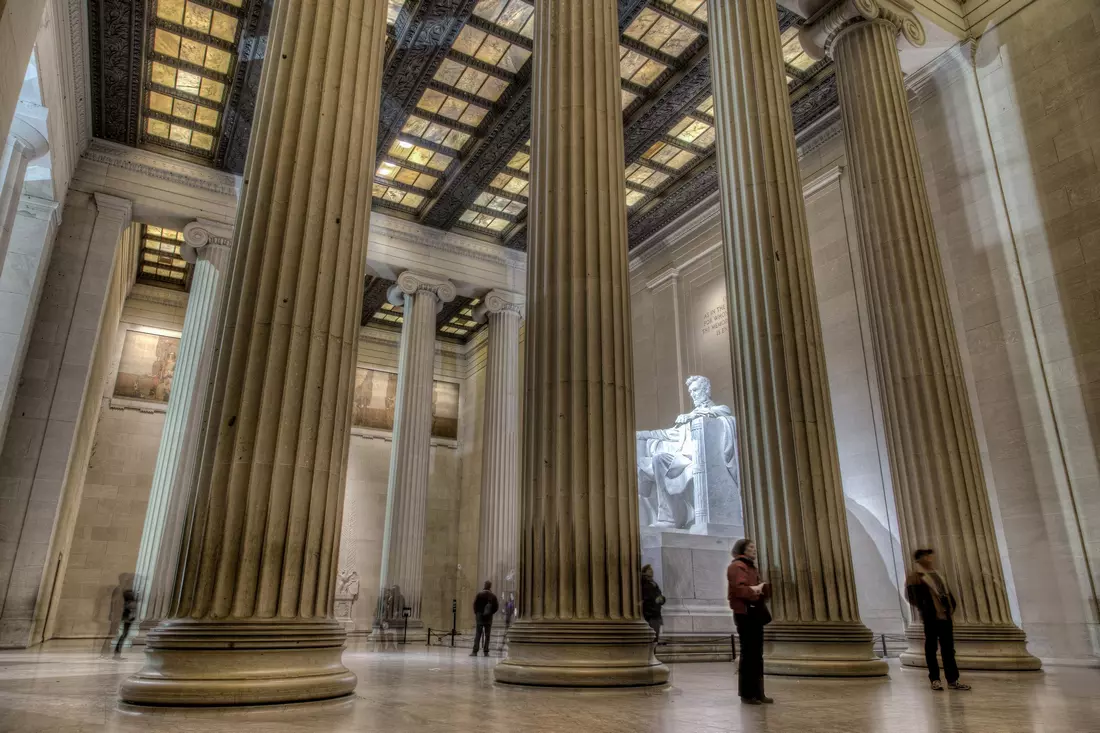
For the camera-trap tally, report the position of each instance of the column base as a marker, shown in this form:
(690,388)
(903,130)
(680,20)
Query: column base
(593,653)
(827,649)
(190,662)
(686,647)
(978,647)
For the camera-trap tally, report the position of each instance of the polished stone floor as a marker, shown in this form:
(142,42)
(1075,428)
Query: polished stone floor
(69,689)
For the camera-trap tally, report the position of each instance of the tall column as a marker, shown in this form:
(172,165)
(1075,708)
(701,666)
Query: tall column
(580,619)
(421,296)
(23,145)
(790,478)
(499,527)
(207,247)
(253,619)
(935,466)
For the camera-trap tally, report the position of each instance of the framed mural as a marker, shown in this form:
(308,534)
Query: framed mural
(376,397)
(146,366)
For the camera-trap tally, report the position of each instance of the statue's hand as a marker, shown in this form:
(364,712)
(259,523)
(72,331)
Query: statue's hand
(684,419)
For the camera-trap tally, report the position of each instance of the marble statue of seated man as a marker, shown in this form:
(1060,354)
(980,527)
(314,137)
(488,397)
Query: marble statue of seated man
(670,460)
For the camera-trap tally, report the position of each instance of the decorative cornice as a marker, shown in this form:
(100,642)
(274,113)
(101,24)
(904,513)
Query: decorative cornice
(160,296)
(824,129)
(821,32)
(384,225)
(160,166)
(203,234)
(411,283)
(80,76)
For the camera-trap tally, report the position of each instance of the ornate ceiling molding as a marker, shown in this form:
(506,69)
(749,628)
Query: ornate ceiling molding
(116,31)
(244,88)
(160,166)
(419,49)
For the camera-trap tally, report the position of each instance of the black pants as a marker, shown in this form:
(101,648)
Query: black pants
(126,624)
(481,636)
(655,624)
(750,668)
(940,632)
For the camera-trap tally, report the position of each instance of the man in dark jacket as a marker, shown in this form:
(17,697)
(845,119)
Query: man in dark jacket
(927,590)
(652,600)
(485,607)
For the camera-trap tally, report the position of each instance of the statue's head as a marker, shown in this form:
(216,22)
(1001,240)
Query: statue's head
(699,389)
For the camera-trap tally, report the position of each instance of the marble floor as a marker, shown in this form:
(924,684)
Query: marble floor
(67,688)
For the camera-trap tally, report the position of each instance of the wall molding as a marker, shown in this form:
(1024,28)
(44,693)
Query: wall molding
(162,167)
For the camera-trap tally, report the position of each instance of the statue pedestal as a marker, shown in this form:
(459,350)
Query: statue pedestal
(691,570)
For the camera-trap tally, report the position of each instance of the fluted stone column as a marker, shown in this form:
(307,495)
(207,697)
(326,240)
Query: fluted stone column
(253,621)
(499,528)
(421,296)
(790,477)
(207,246)
(580,619)
(940,491)
(24,144)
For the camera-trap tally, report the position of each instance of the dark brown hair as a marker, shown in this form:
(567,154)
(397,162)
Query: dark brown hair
(923,552)
(740,545)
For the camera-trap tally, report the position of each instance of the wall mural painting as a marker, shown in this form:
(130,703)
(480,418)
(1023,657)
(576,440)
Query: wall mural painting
(146,367)
(376,397)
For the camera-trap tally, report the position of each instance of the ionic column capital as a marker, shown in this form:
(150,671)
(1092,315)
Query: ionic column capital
(820,33)
(27,138)
(411,283)
(205,238)
(501,302)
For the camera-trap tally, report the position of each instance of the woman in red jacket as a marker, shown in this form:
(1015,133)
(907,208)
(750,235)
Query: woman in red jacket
(747,594)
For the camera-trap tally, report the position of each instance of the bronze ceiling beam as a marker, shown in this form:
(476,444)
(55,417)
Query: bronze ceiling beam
(420,46)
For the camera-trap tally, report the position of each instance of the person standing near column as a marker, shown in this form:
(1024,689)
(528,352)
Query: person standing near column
(747,594)
(927,590)
(485,607)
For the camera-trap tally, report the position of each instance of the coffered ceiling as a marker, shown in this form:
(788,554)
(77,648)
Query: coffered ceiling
(181,77)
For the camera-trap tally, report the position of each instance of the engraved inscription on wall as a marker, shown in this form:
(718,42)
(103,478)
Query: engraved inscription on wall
(716,321)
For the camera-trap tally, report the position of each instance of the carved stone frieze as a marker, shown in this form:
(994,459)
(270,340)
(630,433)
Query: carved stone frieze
(241,101)
(116,31)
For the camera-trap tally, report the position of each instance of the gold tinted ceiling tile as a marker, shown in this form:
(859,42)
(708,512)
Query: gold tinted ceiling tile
(202,140)
(661,31)
(436,133)
(642,24)
(218,60)
(394,195)
(492,50)
(493,88)
(500,180)
(633,197)
(406,176)
(449,72)
(197,18)
(648,73)
(707,107)
(519,160)
(379,190)
(188,82)
(393,10)
(629,63)
(469,40)
(224,27)
(425,181)
(514,59)
(170,10)
(166,43)
(415,126)
(387,170)
(688,6)
(212,90)
(483,199)
(400,150)
(681,159)
(498,225)
(183,110)
(452,108)
(471,81)
(431,100)
(490,9)
(515,15)
(628,98)
(529,28)
(473,115)
(514,208)
(413,200)
(160,102)
(193,52)
(467,216)
(419,156)
(681,40)
(706,139)
(206,116)
(439,162)
(180,134)
(163,75)
(156,127)
(455,139)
